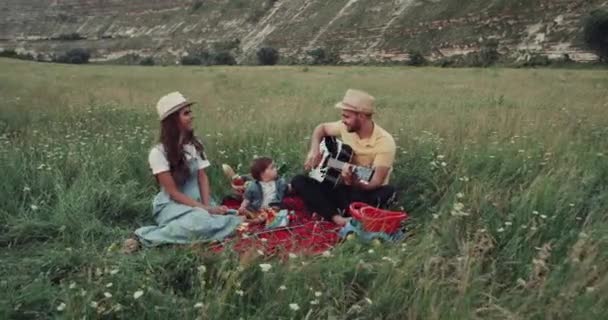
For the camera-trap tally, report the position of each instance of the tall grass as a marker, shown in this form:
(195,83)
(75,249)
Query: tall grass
(503,172)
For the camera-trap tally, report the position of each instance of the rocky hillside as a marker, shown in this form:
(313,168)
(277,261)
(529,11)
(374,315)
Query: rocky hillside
(356,30)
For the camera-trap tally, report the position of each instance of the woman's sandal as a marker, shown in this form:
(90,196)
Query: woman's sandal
(130,245)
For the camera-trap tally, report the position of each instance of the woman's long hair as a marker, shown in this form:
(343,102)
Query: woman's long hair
(174,147)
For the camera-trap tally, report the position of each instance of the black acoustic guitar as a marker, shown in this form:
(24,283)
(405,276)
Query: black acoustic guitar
(334,155)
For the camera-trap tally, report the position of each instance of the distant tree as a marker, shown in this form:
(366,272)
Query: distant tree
(488,54)
(268,56)
(595,33)
(190,60)
(321,56)
(75,56)
(147,61)
(416,58)
(196,5)
(223,58)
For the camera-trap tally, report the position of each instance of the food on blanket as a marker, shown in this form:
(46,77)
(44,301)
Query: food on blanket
(238,181)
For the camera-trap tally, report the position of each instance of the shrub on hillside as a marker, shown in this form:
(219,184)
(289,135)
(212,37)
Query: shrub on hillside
(196,5)
(191,60)
(488,54)
(70,36)
(222,58)
(10,53)
(75,56)
(595,33)
(147,61)
(321,56)
(416,59)
(267,56)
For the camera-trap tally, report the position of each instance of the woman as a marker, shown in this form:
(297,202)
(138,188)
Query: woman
(182,209)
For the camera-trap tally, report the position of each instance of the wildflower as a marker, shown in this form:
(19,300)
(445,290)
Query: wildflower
(368,300)
(283,288)
(460,195)
(26,189)
(72,285)
(443,164)
(292,255)
(198,305)
(440,157)
(239,292)
(542,216)
(202,269)
(318,294)
(114,271)
(117,307)
(571,205)
(508,223)
(137,294)
(294,306)
(458,206)
(314,302)
(370,251)
(435,216)
(109,285)
(61,307)
(34,207)
(500,230)
(326,253)
(535,212)
(533,228)
(265,267)
(93,304)
(107,295)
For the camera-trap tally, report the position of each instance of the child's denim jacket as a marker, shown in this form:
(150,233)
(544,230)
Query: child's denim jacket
(254,194)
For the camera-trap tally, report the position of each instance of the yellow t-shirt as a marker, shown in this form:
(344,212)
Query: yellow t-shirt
(376,151)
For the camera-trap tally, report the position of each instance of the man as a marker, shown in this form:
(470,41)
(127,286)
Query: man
(372,146)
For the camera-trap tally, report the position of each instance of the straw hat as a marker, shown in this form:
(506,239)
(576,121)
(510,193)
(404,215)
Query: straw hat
(357,101)
(170,103)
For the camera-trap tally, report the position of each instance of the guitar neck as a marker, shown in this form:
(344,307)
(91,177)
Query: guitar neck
(362,173)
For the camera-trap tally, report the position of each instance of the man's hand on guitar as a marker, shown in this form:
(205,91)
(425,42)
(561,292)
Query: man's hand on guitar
(313,159)
(348,177)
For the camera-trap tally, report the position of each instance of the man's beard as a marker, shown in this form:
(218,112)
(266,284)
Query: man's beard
(354,128)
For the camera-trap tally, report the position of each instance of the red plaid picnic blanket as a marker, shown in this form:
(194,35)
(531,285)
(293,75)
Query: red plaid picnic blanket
(304,235)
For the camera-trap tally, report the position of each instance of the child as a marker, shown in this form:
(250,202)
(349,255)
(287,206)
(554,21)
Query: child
(266,190)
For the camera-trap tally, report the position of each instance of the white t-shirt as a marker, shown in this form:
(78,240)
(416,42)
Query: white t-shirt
(269,190)
(159,163)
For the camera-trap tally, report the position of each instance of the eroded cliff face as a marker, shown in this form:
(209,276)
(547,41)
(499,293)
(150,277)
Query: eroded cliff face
(358,30)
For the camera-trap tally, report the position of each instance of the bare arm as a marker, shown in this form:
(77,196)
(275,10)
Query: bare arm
(166,181)
(244,205)
(203,186)
(378,178)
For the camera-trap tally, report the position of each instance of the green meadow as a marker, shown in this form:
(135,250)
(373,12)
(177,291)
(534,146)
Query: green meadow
(503,171)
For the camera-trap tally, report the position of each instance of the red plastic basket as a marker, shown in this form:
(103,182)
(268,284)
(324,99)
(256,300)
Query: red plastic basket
(376,220)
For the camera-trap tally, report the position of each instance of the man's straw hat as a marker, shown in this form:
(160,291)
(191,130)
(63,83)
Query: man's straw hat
(357,101)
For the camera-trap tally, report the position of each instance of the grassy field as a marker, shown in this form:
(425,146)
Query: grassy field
(503,172)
